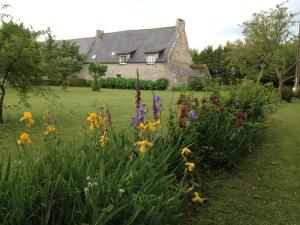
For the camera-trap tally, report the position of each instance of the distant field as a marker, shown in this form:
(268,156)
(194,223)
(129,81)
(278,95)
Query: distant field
(70,109)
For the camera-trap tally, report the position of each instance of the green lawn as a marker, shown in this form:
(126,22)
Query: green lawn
(70,109)
(266,188)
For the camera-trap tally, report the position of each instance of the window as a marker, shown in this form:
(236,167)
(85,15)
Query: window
(122,59)
(150,59)
(118,75)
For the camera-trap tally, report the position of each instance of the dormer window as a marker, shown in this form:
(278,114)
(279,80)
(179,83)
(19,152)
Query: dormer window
(122,59)
(151,58)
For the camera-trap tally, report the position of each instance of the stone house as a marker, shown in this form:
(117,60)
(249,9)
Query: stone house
(157,53)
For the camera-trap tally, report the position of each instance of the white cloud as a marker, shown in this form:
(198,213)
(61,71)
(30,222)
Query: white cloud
(207,22)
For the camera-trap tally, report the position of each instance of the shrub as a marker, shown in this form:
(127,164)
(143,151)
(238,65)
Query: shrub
(78,83)
(51,82)
(124,83)
(196,84)
(95,85)
(219,133)
(255,100)
(180,87)
(161,84)
(287,94)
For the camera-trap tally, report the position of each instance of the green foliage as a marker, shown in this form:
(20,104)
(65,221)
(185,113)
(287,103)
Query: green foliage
(218,63)
(83,182)
(78,83)
(287,94)
(20,60)
(161,84)
(62,60)
(51,82)
(222,131)
(195,84)
(253,99)
(124,83)
(97,71)
(95,85)
(70,82)
(180,87)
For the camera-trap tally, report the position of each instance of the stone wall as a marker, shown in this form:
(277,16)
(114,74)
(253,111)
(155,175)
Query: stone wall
(146,71)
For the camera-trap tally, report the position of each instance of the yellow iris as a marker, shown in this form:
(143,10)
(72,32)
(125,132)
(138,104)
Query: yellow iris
(92,117)
(27,116)
(103,139)
(50,129)
(197,198)
(149,126)
(95,121)
(24,138)
(190,166)
(185,151)
(143,145)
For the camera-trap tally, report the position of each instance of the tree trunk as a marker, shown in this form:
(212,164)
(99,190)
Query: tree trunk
(280,88)
(261,73)
(280,82)
(1,104)
(297,75)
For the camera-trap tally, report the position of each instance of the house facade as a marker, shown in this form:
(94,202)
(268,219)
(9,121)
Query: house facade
(156,53)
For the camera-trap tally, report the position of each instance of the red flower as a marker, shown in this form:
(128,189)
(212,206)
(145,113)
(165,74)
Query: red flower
(240,119)
(214,100)
(195,102)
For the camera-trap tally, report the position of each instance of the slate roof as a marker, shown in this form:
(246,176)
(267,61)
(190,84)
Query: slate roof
(134,42)
(185,70)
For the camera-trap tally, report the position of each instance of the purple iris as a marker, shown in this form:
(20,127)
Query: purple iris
(157,98)
(141,113)
(134,121)
(193,114)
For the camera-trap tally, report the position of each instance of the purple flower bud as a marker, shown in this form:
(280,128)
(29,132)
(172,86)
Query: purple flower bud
(134,121)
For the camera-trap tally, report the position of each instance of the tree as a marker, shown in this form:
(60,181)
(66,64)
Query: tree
(97,71)
(20,60)
(62,60)
(218,63)
(266,33)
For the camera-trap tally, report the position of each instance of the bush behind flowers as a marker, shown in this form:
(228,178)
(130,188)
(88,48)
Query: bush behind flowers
(221,131)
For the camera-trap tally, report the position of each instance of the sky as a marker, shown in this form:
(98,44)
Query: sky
(210,22)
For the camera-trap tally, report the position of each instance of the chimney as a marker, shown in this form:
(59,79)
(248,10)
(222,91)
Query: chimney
(99,34)
(180,25)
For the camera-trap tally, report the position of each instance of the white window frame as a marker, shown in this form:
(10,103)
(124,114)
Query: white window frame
(150,59)
(122,59)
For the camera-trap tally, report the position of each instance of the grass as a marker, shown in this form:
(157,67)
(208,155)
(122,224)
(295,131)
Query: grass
(69,110)
(266,188)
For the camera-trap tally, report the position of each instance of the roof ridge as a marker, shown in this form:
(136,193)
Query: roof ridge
(70,39)
(140,29)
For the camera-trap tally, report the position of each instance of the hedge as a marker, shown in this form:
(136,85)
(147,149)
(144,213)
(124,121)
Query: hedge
(129,83)
(118,83)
